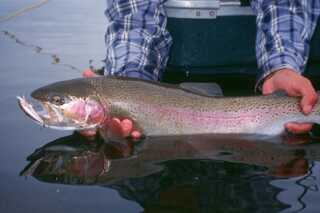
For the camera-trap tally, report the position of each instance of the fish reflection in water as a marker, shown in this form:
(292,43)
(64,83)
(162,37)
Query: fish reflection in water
(185,173)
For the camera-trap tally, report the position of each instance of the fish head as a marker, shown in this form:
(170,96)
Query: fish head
(67,105)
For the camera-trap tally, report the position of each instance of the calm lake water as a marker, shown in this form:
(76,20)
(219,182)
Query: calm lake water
(44,170)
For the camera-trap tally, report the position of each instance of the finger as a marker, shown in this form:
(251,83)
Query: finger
(88,73)
(136,135)
(115,127)
(298,128)
(268,87)
(309,99)
(88,133)
(126,127)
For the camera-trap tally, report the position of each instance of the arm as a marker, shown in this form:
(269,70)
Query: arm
(136,39)
(284,30)
(137,46)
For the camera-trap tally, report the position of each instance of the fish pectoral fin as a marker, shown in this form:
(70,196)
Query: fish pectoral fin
(201,88)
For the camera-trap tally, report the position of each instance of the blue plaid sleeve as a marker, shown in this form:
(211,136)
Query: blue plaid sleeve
(137,41)
(284,31)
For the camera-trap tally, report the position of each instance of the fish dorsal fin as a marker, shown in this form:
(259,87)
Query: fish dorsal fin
(205,89)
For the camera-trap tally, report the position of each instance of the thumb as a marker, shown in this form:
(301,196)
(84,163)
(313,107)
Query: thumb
(268,87)
(309,99)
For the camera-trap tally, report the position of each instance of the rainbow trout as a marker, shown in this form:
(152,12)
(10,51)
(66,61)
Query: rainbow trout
(159,109)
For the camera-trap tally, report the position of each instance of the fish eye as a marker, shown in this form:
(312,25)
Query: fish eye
(57,100)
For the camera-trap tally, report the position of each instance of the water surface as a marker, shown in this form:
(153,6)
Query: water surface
(197,174)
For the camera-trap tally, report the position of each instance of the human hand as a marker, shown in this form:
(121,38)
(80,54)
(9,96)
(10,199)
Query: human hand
(293,84)
(88,73)
(115,127)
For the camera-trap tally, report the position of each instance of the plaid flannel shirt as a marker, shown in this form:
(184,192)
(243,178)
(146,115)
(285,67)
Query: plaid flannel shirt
(284,31)
(136,39)
(138,44)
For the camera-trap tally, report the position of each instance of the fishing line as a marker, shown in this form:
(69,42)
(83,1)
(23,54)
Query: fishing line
(23,10)
(56,60)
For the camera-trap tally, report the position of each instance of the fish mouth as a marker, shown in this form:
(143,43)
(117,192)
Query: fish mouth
(52,116)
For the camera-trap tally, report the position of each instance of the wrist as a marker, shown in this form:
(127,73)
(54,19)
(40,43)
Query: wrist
(285,71)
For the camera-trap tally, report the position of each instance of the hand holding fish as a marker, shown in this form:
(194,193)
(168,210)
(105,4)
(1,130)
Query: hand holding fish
(115,127)
(293,84)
